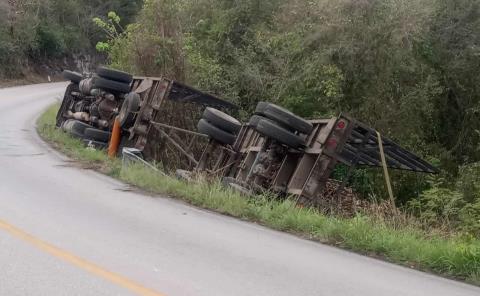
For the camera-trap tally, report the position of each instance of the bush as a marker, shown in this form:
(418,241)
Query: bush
(50,41)
(7,56)
(470,218)
(438,206)
(469,181)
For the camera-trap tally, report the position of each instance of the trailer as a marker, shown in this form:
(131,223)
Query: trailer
(187,131)
(279,152)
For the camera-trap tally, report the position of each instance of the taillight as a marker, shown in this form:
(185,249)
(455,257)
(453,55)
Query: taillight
(341,124)
(332,143)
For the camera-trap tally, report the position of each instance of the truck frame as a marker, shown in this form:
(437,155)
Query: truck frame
(254,162)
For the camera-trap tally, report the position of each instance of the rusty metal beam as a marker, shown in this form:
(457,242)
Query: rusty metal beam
(158,124)
(179,147)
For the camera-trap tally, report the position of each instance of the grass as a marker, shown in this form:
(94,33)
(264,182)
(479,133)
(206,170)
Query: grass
(454,256)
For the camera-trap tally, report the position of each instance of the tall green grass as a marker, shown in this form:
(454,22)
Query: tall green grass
(453,256)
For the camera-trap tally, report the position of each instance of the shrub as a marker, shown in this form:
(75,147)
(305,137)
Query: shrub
(50,41)
(437,206)
(469,181)
(470,218)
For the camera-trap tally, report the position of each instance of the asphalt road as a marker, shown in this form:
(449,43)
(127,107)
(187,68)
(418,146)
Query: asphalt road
(154,243)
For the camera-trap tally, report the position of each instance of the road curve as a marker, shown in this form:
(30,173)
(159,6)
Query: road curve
(158,243)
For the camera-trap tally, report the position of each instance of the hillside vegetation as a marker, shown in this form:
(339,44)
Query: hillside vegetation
(407,67)
(36,31)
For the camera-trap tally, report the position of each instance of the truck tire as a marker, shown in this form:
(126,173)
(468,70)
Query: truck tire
(215,133)
(275,132)
(222,120)
(254,120)
(75,127)
(97,135)
(114,75)
(74,77)
(284,117)
(67,100)
(111,85)
(130,106)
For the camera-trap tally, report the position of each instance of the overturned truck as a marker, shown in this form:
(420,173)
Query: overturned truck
(190,132)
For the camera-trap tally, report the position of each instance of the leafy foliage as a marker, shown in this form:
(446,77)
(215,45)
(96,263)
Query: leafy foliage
(40,30)
(438,205)
(112,28)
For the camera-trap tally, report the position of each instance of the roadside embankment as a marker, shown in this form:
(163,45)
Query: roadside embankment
(450,256)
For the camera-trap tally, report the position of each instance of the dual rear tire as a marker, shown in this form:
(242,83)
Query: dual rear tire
(274,131)
(270,120)
(114,81)
(219,126)
(110,85)
(114,75)
(280,125)
(117,82)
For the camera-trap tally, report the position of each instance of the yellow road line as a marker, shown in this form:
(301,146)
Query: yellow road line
(79,262)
